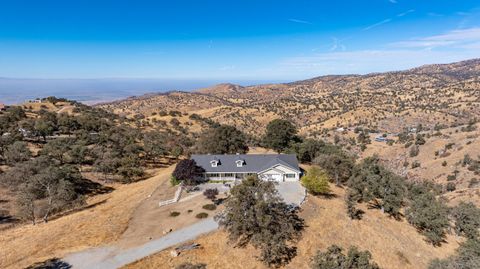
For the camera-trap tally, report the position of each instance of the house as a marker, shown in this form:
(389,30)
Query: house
(271,167)
(2,107)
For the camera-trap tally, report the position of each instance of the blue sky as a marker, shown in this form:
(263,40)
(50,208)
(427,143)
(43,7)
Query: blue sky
(231,40)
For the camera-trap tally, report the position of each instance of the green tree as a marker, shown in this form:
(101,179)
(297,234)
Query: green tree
(279,134)
(316,181)
(255,214)
(467,219)
(224,139)
(44,128)
(467,257)
(333,258)
(154,145)
(338,165)
(17,152)
(430,216)
(371,182)
(57,148)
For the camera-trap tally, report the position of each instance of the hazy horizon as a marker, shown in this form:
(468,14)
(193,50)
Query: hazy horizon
(91,91)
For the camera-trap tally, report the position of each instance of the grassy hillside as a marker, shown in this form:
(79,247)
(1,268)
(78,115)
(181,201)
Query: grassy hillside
(393,244)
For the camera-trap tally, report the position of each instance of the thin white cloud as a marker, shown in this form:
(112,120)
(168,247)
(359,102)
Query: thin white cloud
(452,38)
(405,13)
(376,24)
(387,20)
(367,61)
(393,1)
(299,21)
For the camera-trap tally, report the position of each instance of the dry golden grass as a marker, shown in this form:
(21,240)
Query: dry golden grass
(104,222)
(393,244)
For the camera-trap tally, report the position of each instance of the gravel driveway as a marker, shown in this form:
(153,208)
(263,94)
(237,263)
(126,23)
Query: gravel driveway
(111,257)
(292,192)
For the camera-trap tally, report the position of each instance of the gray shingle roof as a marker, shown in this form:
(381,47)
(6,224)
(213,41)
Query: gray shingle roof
(253,163)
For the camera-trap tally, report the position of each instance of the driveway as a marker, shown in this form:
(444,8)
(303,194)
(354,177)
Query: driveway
(111,257)
(291,192)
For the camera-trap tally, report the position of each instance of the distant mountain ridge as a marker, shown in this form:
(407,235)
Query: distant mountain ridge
(444,93)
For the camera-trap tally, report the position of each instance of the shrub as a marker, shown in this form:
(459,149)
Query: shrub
(202,215)
(174,214)
(444,163)
(333,258)
(473,183)
(316,181)
(209,207)
(415,164)
(211,193)
(174,181)
(414,150)
(450,186)
(451,177)
(188,265)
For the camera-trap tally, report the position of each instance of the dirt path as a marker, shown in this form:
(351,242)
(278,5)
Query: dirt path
(145,234)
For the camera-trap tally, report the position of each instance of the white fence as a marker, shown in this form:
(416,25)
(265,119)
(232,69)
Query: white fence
(175,199)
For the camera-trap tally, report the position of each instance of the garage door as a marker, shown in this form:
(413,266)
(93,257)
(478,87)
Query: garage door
(275,177)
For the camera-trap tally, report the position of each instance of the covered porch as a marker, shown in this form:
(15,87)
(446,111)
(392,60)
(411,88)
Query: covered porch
(226,176)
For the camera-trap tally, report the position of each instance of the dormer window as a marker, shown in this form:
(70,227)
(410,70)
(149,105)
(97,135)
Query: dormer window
(239,163)
(214,163)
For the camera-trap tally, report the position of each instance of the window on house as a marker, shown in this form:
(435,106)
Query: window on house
(290,175)
(213,175)
(239,163)
(228,175)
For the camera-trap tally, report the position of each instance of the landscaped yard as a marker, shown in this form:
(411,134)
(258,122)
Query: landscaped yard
(149,221)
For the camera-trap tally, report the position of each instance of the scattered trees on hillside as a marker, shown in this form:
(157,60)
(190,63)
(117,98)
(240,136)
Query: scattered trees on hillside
(43,187)
(371,182)
(17,152)
(467,257)
(429,215)
(279,134)
(224,139)
(255,214)
(334,258)
(467,219)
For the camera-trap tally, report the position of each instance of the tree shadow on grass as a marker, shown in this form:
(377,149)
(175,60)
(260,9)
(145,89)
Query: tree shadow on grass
(87,187)
(54,263)
(7,219)
(75,210)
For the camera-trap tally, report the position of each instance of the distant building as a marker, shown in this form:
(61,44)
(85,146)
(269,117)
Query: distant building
(2,107)
(381,139)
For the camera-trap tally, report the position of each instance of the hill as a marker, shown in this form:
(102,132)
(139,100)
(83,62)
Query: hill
(446,94)
(440,103)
